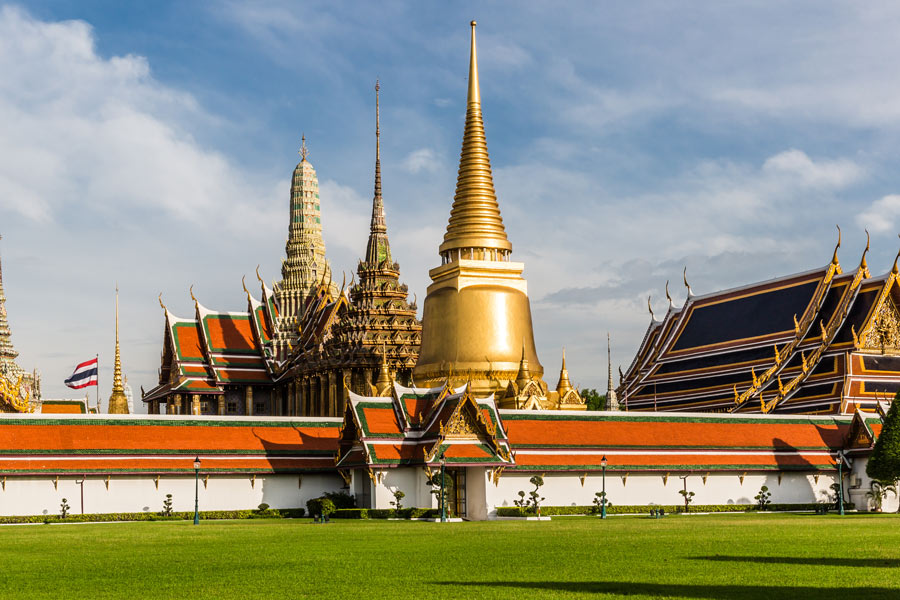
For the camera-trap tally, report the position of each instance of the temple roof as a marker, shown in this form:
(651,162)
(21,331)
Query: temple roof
(773,345)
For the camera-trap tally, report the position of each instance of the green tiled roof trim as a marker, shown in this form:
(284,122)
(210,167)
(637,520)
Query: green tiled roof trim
(361,415)
(188,470)
(164,452)
(541,416)
(823,447)
(223,350)
(674,469)
(182,357)
(336,424)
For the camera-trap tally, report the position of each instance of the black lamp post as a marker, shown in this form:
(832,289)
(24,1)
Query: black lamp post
(443,495)
(603,499)
(197,491)
(840,458)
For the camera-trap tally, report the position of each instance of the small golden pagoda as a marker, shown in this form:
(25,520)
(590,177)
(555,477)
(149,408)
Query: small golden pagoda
(118,401)
(477,318)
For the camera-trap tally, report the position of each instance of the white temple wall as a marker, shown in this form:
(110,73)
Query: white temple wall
(857,484)
(37,495)
(566,489)
(409,480)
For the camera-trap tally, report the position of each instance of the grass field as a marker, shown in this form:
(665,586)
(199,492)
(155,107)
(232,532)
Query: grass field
(718,556)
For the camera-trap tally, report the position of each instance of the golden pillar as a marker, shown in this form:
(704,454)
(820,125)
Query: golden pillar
(248,401)
(195,404)
(477,316)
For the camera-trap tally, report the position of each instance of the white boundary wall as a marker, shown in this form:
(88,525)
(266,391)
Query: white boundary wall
(566,489)
(36,495)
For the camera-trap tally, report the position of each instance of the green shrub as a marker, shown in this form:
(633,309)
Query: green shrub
(320,506)
(386,513)
(341,499)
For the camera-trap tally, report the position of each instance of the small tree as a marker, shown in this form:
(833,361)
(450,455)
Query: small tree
(263,509)
(537,481)
(435,482)
(884,463)
(167,506)
(398,497)
(688,498)
(64,509)
(879,492)
(598,503)
(762,498)
(593,399)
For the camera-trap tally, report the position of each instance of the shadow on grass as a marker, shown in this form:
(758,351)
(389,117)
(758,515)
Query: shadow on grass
(674,590)
(816,561)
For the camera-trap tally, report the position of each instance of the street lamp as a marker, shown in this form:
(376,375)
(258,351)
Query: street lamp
(197,491)
(840,458)
(443,496)
(603,499)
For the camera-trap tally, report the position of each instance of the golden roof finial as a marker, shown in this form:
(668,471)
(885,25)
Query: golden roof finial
(258,277)
(894,268)
(163,306)
(475,220)
(650,308)
(834,258)
(686,284)
(668,296)
(193,297)
(862,261)
(304,151)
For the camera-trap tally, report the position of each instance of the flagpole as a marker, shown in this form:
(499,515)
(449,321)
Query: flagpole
(98,382)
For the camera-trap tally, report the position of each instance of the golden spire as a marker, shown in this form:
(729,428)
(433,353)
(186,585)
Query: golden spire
(564,386)
(383,384)
(524,375)
(475,220)
(118,403)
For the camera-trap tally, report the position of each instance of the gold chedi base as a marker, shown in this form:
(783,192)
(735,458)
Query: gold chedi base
(477,318)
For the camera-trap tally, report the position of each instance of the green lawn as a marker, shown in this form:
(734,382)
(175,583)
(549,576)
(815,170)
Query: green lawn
(716,556)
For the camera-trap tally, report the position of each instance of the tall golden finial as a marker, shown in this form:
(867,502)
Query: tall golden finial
(834,258)
(163,306)
(669,296)
(894,270)
(475,220)
(304,151)
(118,403)
(686,284)
(862,261)
(650,308)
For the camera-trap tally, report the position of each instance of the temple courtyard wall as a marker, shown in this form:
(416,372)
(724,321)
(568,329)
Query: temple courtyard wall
(135,494)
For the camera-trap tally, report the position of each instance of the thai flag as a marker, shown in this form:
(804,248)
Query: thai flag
(85,375)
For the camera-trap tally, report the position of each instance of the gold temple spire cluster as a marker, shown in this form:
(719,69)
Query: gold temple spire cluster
(475,229)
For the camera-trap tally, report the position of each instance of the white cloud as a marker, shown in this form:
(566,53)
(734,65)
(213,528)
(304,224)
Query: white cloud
(423,159)
(825,173)
(882,216)
(89,133)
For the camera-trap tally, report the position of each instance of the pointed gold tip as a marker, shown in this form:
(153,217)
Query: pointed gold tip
(668,296)
(163,306)
(834,258)
(193,297)
(896,258)
(474,89)
(862,263)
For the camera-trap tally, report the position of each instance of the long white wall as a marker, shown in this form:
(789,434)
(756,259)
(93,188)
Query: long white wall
(39,495)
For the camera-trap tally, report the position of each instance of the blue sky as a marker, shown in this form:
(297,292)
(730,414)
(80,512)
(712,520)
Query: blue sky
(152,144)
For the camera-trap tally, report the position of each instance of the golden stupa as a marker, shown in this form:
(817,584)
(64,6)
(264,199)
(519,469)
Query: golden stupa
(477,318)
(118,402)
